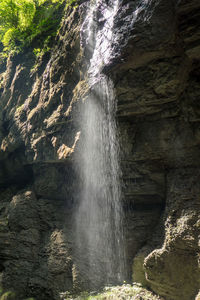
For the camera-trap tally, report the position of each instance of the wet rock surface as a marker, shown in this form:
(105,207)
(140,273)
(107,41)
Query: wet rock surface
(155,70)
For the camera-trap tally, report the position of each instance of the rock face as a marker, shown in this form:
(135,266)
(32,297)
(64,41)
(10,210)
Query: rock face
(157,90)
(38,137)
(155,69)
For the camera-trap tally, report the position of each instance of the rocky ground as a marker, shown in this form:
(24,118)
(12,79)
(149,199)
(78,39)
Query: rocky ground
(124,292)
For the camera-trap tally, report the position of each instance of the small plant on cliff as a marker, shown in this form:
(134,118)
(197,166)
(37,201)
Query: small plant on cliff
(8,296)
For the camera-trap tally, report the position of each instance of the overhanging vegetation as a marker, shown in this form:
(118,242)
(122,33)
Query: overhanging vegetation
(25,21)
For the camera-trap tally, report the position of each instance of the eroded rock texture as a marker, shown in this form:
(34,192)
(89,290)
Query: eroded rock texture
(155,69)
(158,91)
(38,137)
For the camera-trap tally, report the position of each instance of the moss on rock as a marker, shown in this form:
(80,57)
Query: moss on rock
(126,291)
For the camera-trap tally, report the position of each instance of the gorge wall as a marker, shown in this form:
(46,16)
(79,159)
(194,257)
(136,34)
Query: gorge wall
(155,70)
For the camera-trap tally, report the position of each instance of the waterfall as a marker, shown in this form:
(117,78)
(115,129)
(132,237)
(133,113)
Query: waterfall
(99,228)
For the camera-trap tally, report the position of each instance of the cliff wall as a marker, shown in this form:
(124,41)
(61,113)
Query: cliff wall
(155,70)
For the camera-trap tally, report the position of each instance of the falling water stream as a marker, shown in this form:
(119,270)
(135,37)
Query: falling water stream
(99,230)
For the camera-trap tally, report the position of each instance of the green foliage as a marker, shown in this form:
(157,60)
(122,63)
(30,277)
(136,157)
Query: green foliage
(72,2)
(15,17)
(24,21)
(8,296)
